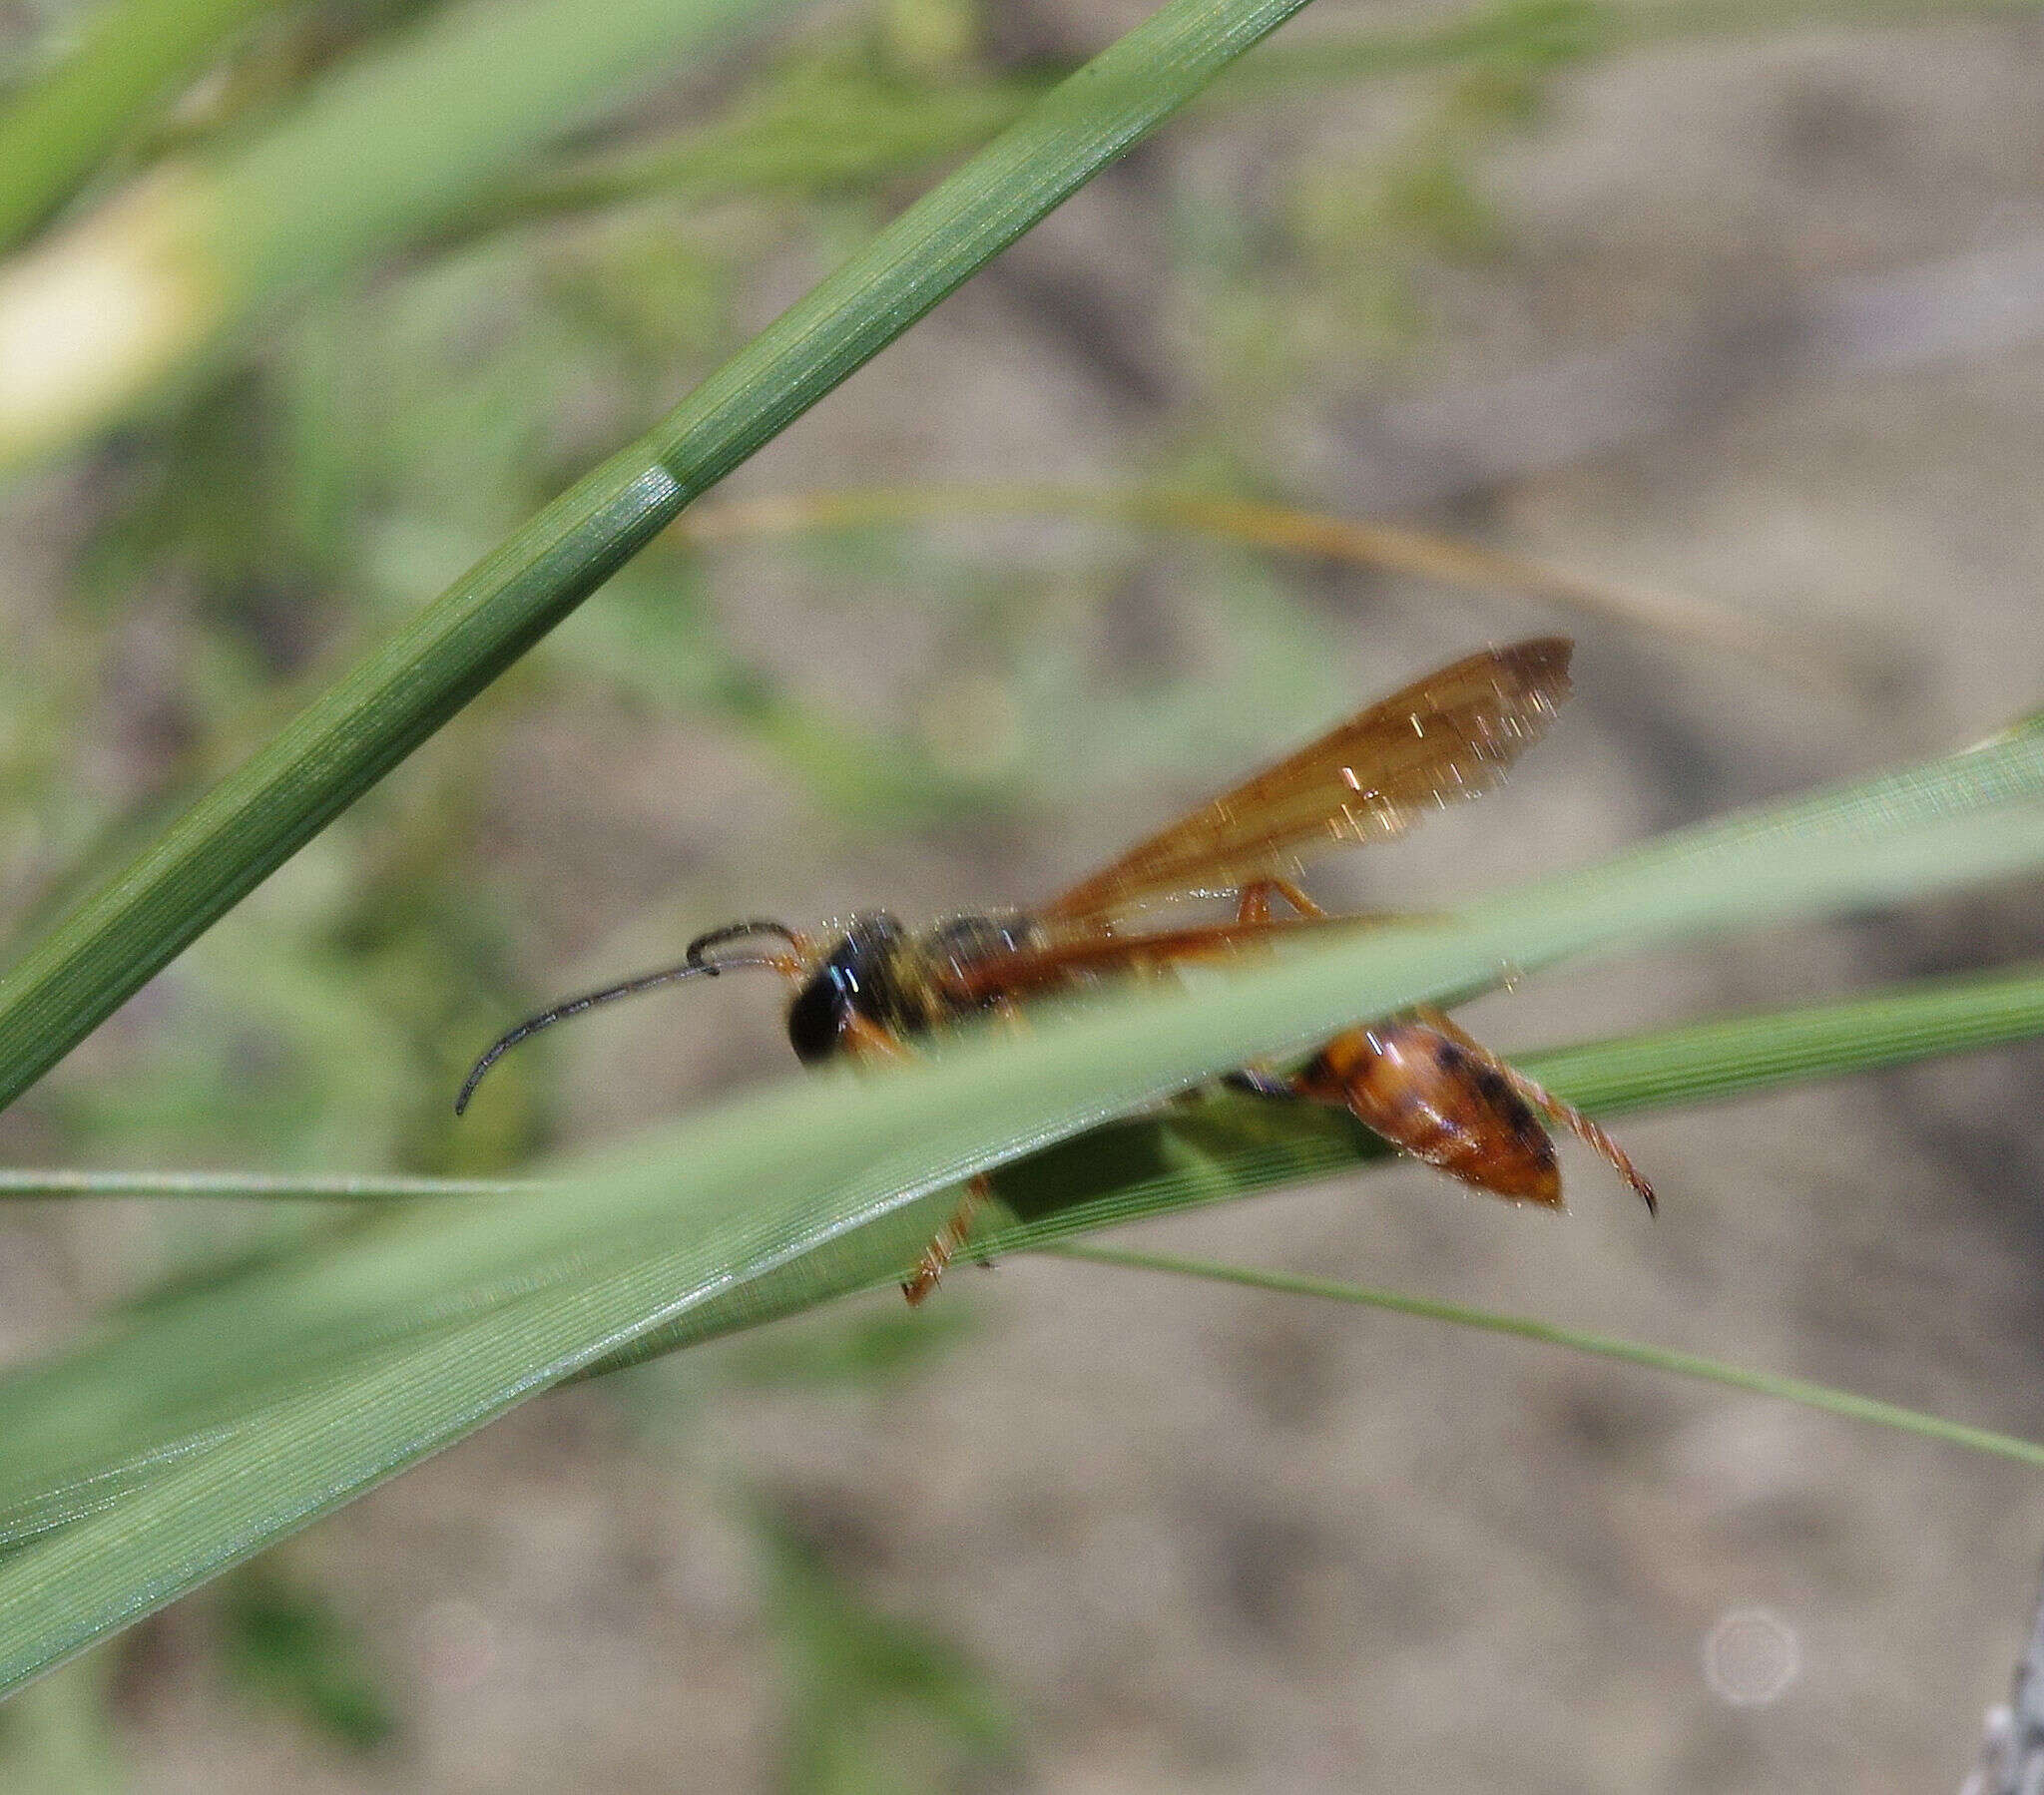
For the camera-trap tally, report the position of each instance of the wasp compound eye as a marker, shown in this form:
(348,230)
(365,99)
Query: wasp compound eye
(816,1017)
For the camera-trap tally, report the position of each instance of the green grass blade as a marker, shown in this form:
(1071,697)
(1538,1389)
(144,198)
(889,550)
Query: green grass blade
(765,1179)
(281,1391)
(1604,1346)
(140,1533)
(1230,1146)
(1737,1055)
(111,942)
(132,56)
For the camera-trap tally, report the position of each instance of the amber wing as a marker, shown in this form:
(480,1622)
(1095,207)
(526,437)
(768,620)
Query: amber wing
(1449,736)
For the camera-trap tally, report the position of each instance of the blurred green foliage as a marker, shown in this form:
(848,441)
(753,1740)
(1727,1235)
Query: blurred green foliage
(283,1642)
(873,1346)
(874,1702)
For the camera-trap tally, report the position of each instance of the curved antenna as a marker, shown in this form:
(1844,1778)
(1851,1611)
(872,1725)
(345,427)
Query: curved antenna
(694,966)
(737,931)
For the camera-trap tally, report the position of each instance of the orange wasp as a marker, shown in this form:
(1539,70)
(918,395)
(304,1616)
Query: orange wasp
(868,989)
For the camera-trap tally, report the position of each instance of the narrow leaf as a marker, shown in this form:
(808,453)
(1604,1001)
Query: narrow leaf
(274,1396)
(1604,1346)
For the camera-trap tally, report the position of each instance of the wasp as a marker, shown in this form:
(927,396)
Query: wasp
(867,989)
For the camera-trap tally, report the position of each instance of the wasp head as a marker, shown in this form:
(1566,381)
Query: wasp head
(854,979)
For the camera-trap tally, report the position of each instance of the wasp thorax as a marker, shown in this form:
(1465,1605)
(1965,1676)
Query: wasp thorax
(900,984)
(959,942)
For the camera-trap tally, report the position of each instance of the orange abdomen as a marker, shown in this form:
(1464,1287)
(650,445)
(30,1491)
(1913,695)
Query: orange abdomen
(1442,1103)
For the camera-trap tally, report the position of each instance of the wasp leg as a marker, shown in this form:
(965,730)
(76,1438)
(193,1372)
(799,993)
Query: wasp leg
(1253,900)
(869,1040)
(949,1240)
(865,1040)
(1252,905)
(1562,1114)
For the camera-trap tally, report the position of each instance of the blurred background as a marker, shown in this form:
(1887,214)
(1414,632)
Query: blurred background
(1732,318)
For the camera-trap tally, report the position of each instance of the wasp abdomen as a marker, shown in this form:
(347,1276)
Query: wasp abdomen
(1441,1103)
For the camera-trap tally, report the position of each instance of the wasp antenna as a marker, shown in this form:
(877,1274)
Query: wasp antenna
(737,931)
(694,967)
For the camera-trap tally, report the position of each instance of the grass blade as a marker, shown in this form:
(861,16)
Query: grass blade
(764,1180)
(1604,1346)
(1737,1054)
(1246,1144)
(111,942)
(1278,528)
(280,1392)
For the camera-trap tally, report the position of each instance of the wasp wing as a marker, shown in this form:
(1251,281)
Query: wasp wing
(1449,736)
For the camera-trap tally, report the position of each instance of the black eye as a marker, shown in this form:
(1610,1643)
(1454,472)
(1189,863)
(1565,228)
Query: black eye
(814,1019)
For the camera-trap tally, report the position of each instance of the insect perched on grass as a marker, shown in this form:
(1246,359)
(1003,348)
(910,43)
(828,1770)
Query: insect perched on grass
(868,989)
